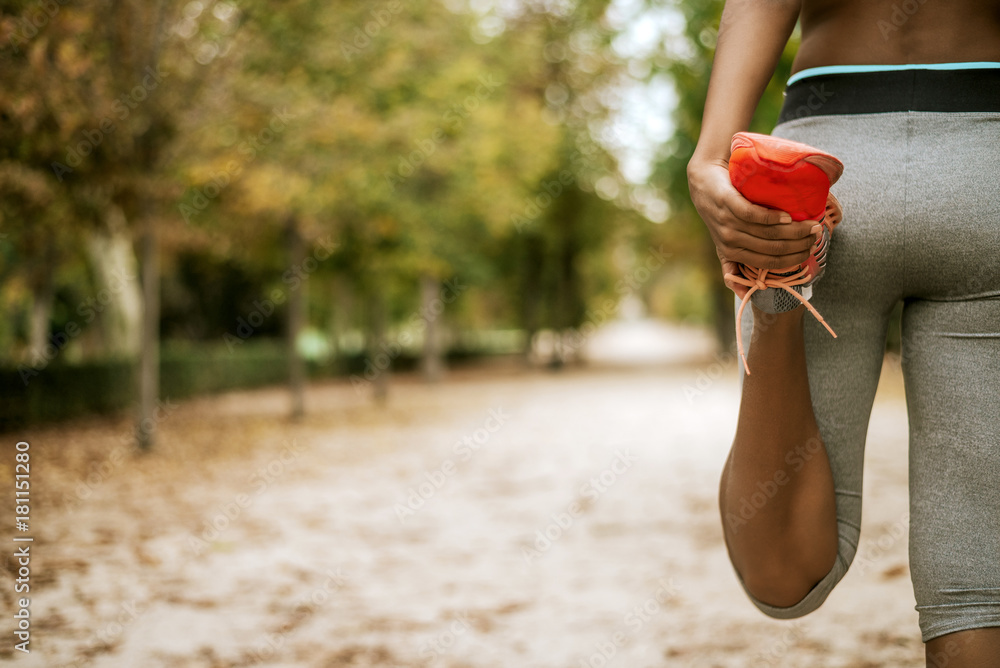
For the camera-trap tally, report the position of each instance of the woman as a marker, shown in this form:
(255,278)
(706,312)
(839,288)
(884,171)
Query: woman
(921,199)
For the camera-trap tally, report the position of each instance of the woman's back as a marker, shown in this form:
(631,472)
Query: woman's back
(858,32)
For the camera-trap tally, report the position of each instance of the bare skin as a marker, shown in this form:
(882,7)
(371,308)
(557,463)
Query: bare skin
(789,543)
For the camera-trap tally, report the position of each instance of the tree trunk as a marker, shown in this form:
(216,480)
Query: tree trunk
(149,354)
(571,309)
(431,361)
(377,349)
(531,292)
(42,295)
(343,319)
(566,307)
(296,313)
(113,264)
(335,324)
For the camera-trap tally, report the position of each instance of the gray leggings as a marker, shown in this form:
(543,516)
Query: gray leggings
(921,198)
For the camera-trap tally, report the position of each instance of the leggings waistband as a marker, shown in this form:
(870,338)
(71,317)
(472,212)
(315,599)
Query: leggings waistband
(874,92)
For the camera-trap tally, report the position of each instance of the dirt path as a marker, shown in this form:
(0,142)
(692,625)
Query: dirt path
(499,519)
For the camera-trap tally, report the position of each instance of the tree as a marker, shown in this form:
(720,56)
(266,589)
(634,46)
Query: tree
(95,139)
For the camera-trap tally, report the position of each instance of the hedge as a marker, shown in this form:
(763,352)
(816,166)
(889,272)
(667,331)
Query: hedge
(62,391)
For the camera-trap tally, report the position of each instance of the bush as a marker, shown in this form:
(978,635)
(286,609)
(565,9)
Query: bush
(62,391)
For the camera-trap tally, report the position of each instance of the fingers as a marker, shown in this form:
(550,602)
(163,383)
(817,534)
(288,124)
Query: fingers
(802,229)
(766,246)
(745,232)
(745,210)
(775,262)
(739,244)
(785,229)
(760,239)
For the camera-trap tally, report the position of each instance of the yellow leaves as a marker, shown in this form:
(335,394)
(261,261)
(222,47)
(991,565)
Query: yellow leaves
(37,55)
(344,121)
(72,61)
(270,189)
(31,184)
(384,227)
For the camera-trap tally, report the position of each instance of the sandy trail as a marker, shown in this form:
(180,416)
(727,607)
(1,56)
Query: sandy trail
(501,518)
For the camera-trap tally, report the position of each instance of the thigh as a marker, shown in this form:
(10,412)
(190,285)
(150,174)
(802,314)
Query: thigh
(857,293)
(951,365)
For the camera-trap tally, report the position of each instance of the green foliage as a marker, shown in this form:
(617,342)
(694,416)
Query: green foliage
(690,76)
(421,139)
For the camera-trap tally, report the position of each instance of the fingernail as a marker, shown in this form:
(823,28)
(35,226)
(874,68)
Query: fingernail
(816,229)
(784,218)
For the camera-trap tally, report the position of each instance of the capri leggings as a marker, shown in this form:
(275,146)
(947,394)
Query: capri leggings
(921,199)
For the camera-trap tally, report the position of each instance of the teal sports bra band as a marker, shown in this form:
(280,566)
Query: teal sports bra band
(850,69)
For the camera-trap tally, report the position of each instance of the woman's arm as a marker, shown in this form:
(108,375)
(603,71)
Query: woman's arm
(752,35)
(785,547)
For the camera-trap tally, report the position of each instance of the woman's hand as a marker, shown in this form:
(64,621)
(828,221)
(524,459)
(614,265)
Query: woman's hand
(744,232)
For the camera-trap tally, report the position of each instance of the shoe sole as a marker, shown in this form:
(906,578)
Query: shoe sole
(783,174)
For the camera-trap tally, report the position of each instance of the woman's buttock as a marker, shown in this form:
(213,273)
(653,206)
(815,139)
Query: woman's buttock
(919,189)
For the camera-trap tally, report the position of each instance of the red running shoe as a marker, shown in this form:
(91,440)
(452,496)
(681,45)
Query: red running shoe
(795,178)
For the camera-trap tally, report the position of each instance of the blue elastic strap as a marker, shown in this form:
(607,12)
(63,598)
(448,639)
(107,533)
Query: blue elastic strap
(850,69)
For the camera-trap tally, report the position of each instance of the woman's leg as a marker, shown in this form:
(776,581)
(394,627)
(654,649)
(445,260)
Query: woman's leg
(779,521)
(951,364)
(978,648)
(791,489)
(805,409)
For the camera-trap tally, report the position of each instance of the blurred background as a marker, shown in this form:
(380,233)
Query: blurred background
(326,321)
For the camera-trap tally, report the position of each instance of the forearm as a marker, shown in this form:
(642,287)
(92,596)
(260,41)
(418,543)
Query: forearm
(752,35)
(783,546)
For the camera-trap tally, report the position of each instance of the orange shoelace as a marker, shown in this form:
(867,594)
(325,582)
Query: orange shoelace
(760,279)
